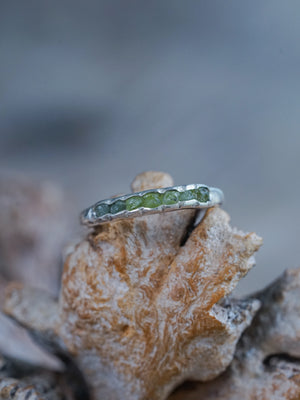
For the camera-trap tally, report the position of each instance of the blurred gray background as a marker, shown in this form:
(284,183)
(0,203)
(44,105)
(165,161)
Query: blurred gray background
(94,92)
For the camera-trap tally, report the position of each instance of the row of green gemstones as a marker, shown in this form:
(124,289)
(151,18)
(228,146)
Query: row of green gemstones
(152,200)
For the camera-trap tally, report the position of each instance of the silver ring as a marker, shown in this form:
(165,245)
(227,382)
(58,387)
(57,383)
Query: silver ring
(152,201)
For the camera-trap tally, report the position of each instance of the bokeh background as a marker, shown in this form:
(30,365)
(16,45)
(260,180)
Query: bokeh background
(93,92)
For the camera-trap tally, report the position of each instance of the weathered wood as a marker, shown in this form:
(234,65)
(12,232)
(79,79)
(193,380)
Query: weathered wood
(139,311)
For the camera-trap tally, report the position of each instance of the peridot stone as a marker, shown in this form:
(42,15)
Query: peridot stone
(133,203)
(151,200)
(117,206)
(170,197)
(102,209)
(187,195)
(202,194)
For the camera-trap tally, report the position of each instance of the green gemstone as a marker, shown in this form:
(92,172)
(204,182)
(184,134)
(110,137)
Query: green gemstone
(133,203)
(202,194)
(151,200)
(102,209)
(171,197)
(187,195)
(117,206)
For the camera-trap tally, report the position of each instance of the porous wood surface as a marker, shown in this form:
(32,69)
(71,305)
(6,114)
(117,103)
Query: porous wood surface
(142,305)
(266,365)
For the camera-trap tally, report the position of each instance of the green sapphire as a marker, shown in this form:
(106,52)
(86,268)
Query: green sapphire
(133,203)
(202,194)
(102,209)
(187,195)
(117,207)
(152,200)
(170,197)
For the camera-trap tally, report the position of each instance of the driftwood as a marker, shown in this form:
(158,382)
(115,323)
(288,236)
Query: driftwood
(145,305)
(35,225)
(266,364)
(29,382)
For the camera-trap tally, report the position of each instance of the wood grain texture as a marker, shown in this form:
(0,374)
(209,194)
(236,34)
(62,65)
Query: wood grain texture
(139,311)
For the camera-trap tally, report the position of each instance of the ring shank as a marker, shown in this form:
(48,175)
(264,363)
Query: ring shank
(188,196)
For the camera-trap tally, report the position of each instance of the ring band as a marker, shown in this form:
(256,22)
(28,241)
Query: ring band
(152,201)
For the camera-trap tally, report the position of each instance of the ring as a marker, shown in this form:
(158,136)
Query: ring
(152,201)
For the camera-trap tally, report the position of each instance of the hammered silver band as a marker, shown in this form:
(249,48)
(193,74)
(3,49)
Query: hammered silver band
(152,201)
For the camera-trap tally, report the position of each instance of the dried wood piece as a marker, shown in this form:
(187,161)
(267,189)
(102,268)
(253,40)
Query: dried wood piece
(34,222)
(151,180)
(267,360)
(139,311)
(34,226)
(22,381)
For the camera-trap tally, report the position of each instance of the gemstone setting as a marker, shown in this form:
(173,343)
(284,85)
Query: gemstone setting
(152,200)
(202,194)
(187,195)
(170,197)
(117,207)
(102,209)
(134,202)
